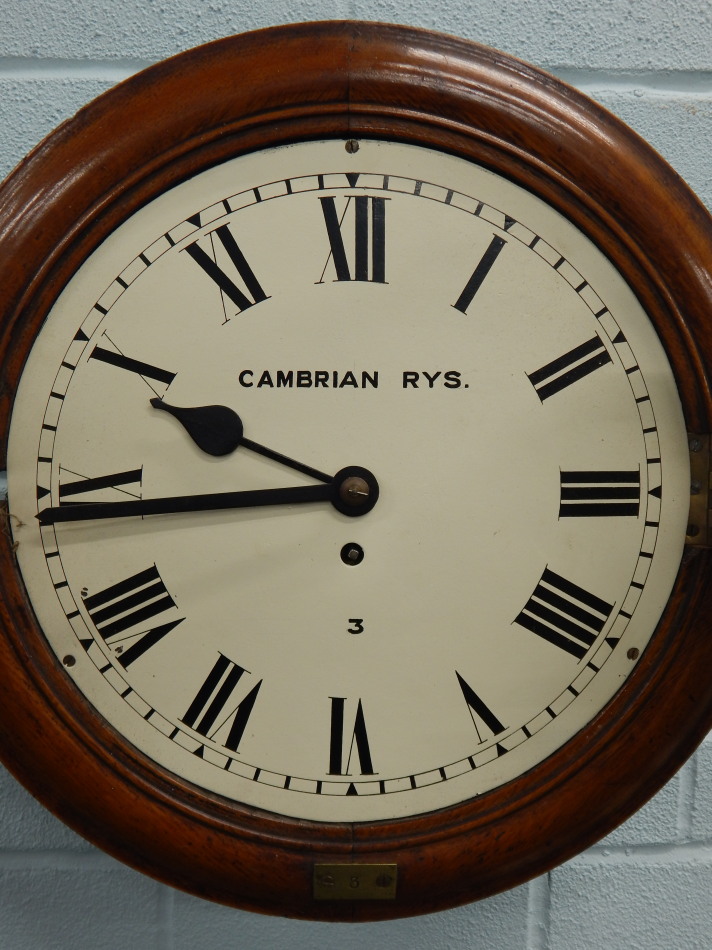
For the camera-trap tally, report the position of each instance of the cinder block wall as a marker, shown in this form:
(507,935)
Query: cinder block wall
(649,884)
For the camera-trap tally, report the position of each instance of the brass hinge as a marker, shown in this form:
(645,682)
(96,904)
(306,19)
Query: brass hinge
(699,526)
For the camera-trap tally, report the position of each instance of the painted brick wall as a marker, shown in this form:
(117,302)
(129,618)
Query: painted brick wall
(649,884)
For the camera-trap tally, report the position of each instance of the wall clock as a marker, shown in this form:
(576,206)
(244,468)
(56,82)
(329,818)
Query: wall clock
(350,380)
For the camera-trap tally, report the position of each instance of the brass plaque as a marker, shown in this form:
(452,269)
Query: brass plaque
(355,882)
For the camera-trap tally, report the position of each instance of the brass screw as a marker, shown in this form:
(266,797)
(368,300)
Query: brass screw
(354,490)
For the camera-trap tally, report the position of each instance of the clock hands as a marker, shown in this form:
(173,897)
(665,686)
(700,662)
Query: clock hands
(353,491)
(218,430)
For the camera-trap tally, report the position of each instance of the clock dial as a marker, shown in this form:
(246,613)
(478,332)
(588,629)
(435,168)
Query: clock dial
(349,483)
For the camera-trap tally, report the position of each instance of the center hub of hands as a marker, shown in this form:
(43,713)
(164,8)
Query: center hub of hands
(355,491)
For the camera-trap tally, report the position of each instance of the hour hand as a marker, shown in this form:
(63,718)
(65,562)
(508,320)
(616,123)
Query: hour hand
(218,430)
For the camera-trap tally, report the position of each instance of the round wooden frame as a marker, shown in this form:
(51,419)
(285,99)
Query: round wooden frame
(349,80)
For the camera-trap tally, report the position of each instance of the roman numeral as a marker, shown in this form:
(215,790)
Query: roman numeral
(215,711)
(599,494)
(569,368)
(84,485)
(369,248)
(564,614)
(119,609)
(131,365)
(478,710)
(208,262)
(480,272)
(341,741)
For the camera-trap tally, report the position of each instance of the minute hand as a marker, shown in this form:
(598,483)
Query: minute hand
(353,491)
(181,503)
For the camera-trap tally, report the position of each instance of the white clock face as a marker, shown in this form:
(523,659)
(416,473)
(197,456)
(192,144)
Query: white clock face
(410,637)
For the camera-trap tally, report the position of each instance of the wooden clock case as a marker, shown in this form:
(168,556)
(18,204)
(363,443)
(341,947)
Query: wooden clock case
(351,80)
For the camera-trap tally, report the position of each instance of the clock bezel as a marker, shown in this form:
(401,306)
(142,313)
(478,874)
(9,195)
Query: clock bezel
(349,80)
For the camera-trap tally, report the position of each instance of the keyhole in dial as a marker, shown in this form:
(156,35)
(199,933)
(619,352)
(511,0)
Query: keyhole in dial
(352,553)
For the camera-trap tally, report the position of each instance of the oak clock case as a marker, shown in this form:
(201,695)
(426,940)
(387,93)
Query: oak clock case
(349,569)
